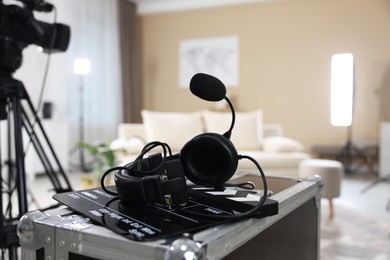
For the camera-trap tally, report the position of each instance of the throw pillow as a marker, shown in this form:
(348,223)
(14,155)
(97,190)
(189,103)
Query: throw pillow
(281,144)
(173,128)
(247,131)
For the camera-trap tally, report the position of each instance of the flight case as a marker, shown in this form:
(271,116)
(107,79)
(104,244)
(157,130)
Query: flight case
(292,233)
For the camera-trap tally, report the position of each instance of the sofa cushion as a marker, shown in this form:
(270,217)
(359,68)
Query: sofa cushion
(247,131)
(281,144)
(131,145)
(173,128)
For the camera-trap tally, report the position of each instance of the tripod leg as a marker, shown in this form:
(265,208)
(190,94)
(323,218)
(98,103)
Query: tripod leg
(375,182)
(8,232)
(41,154)
(32,197)
(53,175)
(21,173)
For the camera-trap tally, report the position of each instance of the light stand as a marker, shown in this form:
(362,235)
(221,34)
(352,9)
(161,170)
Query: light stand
(81,67)
(350,151)
(342,97)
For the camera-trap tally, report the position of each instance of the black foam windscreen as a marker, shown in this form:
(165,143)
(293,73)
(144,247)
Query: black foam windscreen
(207,87)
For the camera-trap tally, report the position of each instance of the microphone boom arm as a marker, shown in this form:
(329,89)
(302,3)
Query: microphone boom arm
(229,132)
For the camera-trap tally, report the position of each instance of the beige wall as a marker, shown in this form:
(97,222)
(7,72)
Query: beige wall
(285,51)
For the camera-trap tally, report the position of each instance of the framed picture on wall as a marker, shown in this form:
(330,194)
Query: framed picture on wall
(217,56)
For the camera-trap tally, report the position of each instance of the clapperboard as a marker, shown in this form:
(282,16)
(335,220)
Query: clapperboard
(145,222)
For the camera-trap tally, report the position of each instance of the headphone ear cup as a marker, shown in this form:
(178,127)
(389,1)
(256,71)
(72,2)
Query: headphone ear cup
(209,159)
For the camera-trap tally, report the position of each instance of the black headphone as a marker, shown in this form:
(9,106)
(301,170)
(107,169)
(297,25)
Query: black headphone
(209,159)
(157,178)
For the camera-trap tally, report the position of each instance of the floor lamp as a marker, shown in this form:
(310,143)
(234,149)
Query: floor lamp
(342,105)
(82,67)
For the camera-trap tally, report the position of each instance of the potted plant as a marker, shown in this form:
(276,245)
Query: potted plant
(106,159)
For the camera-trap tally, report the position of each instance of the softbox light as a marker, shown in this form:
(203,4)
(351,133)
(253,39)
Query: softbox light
(342,74)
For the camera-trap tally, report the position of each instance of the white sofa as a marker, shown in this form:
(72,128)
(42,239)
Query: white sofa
(277,155)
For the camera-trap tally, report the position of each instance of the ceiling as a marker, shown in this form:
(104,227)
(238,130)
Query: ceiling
(160,6)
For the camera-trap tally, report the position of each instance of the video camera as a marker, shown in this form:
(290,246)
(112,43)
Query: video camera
(19,28)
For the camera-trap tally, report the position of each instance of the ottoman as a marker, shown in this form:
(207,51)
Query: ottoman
(331,173)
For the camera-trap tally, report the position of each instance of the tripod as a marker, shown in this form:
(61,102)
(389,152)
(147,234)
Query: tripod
(349,151)
(385,178)
(12,92)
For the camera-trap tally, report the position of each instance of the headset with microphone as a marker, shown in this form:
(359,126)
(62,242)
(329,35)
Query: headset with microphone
(208,159)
